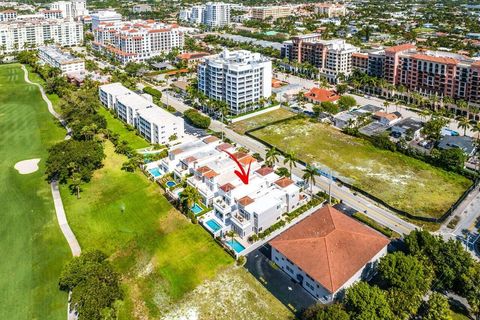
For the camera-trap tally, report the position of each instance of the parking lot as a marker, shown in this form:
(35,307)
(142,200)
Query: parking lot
(278,282)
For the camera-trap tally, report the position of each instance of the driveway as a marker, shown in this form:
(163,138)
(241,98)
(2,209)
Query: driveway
(290,293)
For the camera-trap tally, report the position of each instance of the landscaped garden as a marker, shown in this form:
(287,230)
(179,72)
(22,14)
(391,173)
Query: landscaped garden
(160,254)
(261,120)
(403,182)
(33,248)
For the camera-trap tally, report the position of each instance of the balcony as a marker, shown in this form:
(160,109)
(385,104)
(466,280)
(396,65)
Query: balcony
(240,222)
(220,205)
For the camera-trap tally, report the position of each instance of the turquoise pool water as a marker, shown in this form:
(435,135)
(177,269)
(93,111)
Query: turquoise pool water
(213,225)
(156,172)
(171,183)
(196,209)
(235,245)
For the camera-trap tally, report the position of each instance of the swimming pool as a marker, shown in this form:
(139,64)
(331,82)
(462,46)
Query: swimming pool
(235,245)
(196,209)
(212,224)
(156,172)
(171,183)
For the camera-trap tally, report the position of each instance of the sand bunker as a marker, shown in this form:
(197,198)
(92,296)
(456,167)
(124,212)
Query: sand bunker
(27,166)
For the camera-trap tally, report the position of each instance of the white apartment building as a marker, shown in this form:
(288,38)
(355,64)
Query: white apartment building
(54,57)
(108,93)
(52,14)
(71,9)
(212,14)
(338,60)
(216,14)
(240,78)
(158,126)
(31,33)
(104,17)
(8,15)
(331,9)
(153,123)
(137,40)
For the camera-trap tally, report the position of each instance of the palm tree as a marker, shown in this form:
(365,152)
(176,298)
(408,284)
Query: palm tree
(189,197)
(386,104)
(463,123)
(271,157)
(291,160)
(309,174)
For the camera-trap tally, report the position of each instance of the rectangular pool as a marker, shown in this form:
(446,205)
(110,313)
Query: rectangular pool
(235,245)
(212,224)
(155,172)
(196,209)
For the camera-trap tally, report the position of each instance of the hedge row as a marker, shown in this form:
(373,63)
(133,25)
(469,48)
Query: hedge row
(196,119)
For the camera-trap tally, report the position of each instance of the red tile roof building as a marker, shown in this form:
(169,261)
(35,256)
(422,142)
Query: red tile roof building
(327,252)
(319,95)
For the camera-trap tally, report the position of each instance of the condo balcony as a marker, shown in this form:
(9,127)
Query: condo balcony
(220,205)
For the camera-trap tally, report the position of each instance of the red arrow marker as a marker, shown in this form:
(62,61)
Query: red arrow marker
(242,175)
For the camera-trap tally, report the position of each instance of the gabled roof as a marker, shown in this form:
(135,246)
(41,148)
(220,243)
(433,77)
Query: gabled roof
(330,246)
(284,182)
(210,139)
(227,187)
(245,201)
(223,146)
(264,171)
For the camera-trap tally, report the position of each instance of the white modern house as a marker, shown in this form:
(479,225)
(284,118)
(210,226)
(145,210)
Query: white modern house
(108,93)
(240,78)
(56,58)
(156,125)
(327,252)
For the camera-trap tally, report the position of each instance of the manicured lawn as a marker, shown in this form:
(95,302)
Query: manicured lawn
(160,254)
(403,182)
(32,246)
(54,98)
(261,120)
(117,126)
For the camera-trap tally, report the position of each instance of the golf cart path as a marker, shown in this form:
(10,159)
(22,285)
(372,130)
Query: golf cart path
(57,199)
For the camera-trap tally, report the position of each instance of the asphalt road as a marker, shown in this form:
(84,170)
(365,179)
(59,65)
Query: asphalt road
(374,211)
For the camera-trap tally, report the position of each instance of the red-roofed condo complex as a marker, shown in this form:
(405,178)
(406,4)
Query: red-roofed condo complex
(328,252)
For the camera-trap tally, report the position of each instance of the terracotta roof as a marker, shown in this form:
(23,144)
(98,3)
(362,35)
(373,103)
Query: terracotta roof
(360,55)
(247,160)
(264,171)
(240,155)
(227,187)
(210,139)
(476,64)
(245,201)
(389,116)
(190,159)
(177,151)
(284,182)
(192,55)
(426,57)
(330,246)
(223,146)
(322,95)
(203,169)
(399,48)
(210,174)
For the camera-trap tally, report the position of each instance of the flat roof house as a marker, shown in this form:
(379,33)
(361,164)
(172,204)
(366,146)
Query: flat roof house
(328,252)
(402,127)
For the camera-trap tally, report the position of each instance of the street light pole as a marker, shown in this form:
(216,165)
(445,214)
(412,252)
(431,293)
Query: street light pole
(330,187)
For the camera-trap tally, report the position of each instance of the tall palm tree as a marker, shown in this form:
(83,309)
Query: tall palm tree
(464,123)
(309,174)
(271,157)
(189,197)
(386,104)
(291,160)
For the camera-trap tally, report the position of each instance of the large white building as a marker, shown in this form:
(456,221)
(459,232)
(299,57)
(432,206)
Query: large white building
(137,40)
(156,125)
(71,9)
(327,252)
(240,78)
(54,57)
(104,17)
(212,14)
(8,15)
(331,9)
(30,33)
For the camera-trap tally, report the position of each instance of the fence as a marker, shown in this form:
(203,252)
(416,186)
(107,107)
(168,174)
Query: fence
(363,192)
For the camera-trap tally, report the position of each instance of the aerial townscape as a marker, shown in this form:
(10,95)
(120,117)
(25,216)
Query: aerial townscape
(188,160)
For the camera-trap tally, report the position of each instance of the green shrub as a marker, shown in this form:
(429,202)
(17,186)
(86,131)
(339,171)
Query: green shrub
(196,119)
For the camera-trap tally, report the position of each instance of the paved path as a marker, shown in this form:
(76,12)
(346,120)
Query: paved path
(57,199)
(358,202)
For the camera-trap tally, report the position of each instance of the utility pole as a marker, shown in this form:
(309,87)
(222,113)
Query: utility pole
(330,187)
